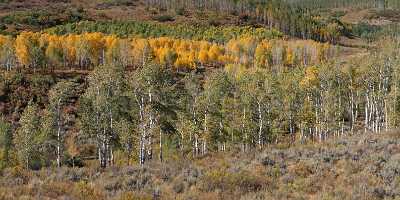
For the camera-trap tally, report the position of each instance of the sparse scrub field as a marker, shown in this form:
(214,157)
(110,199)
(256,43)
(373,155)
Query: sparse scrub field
(364,166)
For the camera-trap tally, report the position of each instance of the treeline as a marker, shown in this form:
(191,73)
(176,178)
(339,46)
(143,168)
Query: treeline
(292,20)
(314,4)
(373,33)
(154,111)
(218,34)
(243,5)
(85,51)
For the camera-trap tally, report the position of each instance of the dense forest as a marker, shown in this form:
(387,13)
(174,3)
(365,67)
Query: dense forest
(283,101)
(239,105)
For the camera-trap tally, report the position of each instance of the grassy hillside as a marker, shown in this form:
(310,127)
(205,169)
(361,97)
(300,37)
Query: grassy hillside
(364,166)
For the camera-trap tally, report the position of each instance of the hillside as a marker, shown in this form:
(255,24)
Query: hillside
(363,166)
(200,99)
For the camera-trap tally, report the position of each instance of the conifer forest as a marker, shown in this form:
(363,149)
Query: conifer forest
(200,99)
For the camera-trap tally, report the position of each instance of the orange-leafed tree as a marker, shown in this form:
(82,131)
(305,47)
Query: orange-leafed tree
(70,43)
(263,54)
(28,49)
(112,48)
(6,52)
(96,49)
(54,49)
(141,50)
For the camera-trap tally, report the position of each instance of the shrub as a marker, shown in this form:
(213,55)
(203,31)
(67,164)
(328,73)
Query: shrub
(178,187)
(226,181)
(85,191)
(134,196)
(180,11)
(163,18)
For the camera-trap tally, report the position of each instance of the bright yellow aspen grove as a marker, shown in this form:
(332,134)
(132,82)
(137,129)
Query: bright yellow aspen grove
(23,45)
(70,43)
(6,51)
(263,54)
(95,42)
(112,48)
(140,50)
(54,51)
(96,48)
(203,56)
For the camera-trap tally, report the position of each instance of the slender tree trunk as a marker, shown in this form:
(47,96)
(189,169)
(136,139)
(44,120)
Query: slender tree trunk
(260,125)
(244,130)
(58,134)
(205,133)
(151,119)
(161,148)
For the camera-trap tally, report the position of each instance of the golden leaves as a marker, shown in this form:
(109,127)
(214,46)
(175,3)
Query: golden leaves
(179,53)
(23,44)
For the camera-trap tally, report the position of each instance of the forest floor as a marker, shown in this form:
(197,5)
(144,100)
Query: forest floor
(363,166)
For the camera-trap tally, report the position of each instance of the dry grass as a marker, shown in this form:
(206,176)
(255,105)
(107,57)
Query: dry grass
(363,166)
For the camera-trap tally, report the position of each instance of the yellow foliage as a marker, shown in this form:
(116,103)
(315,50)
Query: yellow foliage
(6,48)
(215,52)
(54,48)
(289,56)
(242,49)
(95,44)
(262,54)
(140,49)
(236,70)
(180,53)
(310,79)
(203,56)
(70,43)
(166,55)
(24,44)
(112,47)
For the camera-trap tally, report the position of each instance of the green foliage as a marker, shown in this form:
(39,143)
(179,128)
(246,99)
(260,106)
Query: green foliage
(27,139)
(285,16)
(317,4)
(117,2)
(164,18)
(6,137)
(373,33)
(220,34)
(38,19)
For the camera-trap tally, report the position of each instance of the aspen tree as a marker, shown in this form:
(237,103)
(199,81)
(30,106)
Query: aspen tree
(101,110)
(7,52)
(54,121)
(29,50)
(25,139)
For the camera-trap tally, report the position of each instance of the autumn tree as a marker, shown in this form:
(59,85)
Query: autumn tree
(7,52)
(29,49)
